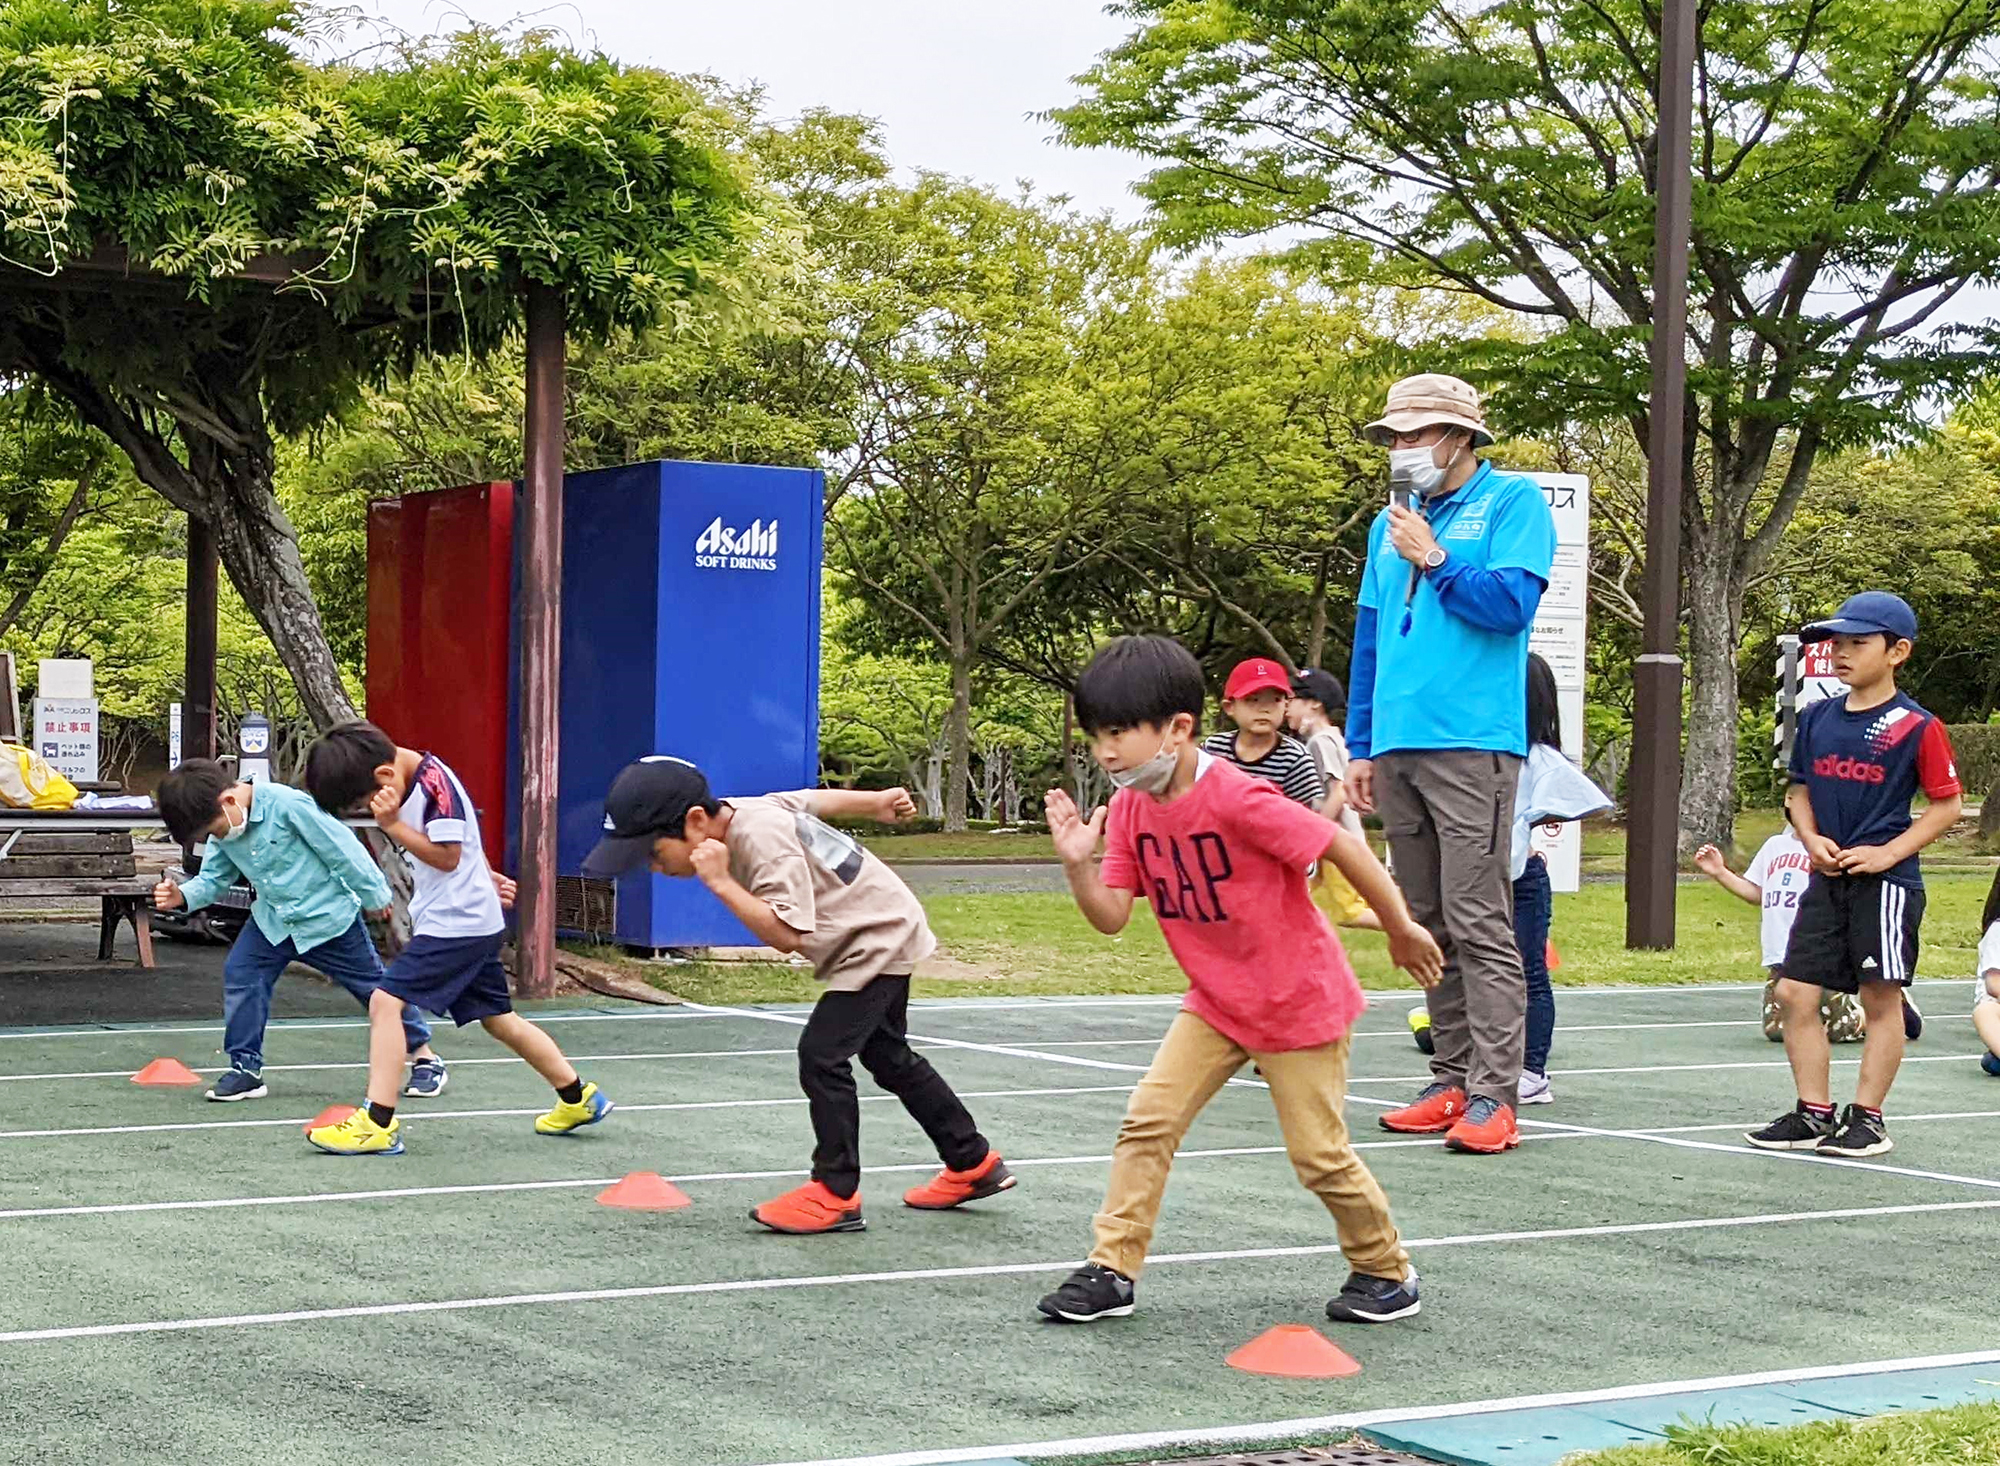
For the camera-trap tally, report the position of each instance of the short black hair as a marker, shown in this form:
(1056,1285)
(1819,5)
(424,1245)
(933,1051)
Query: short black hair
(190,797)
(1544,709)
(1139,679)
(341,764)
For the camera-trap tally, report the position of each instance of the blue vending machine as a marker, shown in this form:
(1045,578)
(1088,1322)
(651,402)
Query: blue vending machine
(690,626)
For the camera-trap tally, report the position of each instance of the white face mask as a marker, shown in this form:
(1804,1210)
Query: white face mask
(1418,468)
(1151,777)
(235,831)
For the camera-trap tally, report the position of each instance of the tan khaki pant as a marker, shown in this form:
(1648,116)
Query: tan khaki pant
(1308,1087)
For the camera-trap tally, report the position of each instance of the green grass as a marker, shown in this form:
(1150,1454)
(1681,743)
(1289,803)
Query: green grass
(1027,945)
(1960,1436)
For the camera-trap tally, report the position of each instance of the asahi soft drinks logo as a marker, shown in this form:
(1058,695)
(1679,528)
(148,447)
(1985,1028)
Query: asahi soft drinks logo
(721,548)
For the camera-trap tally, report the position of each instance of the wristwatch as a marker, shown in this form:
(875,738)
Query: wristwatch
(1434,558)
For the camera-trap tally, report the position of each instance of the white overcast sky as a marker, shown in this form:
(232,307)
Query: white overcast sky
(953,82)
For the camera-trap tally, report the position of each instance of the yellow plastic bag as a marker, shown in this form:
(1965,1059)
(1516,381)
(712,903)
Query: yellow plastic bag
(27,781)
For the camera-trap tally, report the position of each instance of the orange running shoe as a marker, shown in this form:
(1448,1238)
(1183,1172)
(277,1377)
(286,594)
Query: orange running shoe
(1487,1129)
(1437,1109)
(951,1188)
(812,1208)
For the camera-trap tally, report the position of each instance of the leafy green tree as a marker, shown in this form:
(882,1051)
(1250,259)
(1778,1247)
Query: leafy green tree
(1845,151)
(294,231)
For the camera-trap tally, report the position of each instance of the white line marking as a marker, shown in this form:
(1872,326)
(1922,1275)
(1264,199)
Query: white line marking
(760,1285)
(1275,1430)
(1971,1060)
(422,1116)
(397,1193)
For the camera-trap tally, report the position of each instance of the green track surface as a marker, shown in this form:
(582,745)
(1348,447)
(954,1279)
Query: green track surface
(745,1377)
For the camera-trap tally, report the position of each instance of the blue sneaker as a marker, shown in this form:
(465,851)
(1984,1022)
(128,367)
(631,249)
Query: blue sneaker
(427,1080)
(239,1084)
(1366,1299)
(1991,1064)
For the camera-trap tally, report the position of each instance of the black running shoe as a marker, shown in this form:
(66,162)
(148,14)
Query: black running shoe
(1913,1018)
(1858,1135)
(1088,1294)
(1796,1129)
(1365,1299)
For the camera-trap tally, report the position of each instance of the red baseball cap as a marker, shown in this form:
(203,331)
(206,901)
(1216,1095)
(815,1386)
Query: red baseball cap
(1257,675)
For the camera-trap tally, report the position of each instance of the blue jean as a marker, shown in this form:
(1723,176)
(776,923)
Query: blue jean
(1531,935)
(255,965)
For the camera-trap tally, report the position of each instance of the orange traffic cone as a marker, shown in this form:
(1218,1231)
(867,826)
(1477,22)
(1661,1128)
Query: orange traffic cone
(1296,1351)
(644,1191)
(331,1115)
(1554,957)
(166,1071)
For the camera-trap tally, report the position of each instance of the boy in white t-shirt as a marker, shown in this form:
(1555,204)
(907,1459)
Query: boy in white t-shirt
(1775,881)
(452,964)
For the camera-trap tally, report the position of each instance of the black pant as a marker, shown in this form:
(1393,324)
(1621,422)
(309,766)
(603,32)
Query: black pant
(872,1025)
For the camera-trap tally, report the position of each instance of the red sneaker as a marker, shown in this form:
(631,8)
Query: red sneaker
(951,1188)
(1437,1109)
(812,1208)
(1487,1129)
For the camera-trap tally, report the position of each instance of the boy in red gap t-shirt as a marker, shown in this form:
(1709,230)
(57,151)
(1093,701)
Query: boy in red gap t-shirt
(1222,857)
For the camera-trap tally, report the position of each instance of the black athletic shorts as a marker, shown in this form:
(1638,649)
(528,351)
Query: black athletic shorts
(1855,929)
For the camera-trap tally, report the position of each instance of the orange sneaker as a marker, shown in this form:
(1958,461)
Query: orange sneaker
(1487,1129)
(1437,1109)
(951,1188)
(812,1208)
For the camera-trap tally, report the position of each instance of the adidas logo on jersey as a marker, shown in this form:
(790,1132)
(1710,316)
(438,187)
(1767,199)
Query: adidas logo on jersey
(1854,770)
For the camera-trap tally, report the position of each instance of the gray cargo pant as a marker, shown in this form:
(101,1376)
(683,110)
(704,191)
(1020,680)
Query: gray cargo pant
(1449,816)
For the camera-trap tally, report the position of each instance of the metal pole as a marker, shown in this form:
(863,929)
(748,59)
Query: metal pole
(541,633)
(204,578)
(1651,864)
(1788,698)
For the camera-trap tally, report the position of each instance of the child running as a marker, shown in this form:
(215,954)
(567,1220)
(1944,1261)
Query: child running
(1222,860)
(1857,762)
(452,965)
(1986,982)
(802,886)
(313,880)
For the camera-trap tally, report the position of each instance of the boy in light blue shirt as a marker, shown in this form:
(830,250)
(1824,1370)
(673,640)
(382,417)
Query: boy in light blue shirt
(313,880)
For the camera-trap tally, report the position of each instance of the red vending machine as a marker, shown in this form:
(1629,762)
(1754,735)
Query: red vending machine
(440,618)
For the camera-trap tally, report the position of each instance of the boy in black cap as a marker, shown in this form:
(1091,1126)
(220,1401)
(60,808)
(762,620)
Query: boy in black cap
(1856,764)
(802,886)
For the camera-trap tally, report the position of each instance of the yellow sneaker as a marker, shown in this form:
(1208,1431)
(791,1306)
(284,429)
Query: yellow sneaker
(359,1135)
(567,1117)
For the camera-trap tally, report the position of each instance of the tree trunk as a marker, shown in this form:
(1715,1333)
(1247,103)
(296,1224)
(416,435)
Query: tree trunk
(1708,771)
(958,741)
(224,478)
(1316,631)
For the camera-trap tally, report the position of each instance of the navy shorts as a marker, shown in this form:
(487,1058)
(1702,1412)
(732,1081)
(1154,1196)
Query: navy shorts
(456,977)
(1854,929)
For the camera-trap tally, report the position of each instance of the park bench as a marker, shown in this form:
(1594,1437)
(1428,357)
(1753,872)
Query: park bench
(58,865)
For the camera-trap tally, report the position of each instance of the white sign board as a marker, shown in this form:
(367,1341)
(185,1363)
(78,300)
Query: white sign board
(66,678)
(1558,635)
(66,736)
(173,735)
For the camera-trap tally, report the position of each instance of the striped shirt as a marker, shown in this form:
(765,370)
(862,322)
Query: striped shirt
(1290,766)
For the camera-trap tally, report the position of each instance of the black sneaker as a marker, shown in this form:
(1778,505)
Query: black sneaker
(1858,1135)
(1365,1299)
(1796,1129)
(1088,1294)
(1913,1018)
(238,1084)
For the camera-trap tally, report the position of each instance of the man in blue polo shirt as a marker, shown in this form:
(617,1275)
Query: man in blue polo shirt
(1437,728)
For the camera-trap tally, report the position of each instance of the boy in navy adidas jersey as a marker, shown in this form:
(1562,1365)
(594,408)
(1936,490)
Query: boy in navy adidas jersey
(1857,762)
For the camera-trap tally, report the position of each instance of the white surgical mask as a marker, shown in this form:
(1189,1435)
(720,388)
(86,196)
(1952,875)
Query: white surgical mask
(1418,468)
(235,831)
(1151,777)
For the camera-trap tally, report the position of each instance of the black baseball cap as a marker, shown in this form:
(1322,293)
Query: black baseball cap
(1322,687)
(648,799)
(1866,614)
